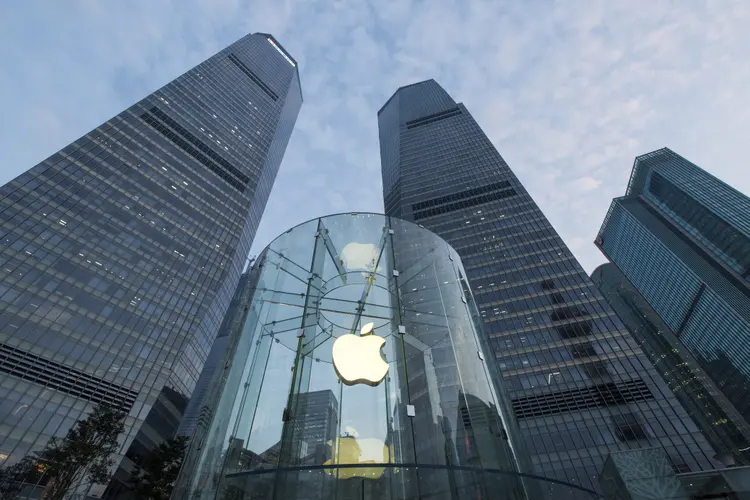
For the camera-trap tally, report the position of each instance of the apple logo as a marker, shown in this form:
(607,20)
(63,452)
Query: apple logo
(357,359)
(352,449)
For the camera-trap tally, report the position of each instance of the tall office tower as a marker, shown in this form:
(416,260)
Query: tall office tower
(579,384)
(706,404)
(121,252)
(682,239)
(197,414)
(315,426)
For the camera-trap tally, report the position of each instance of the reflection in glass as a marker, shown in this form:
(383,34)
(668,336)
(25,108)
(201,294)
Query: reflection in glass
(364,359)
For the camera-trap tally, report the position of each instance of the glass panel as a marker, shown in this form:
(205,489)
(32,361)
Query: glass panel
(392,483)
(362,361)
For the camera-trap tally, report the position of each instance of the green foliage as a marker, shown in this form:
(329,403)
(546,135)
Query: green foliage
(155,476)
(84,453)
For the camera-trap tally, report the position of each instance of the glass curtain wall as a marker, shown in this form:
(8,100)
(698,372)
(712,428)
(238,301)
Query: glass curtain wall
(360,373)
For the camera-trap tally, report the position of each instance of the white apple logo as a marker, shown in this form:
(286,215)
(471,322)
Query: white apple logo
(357,359)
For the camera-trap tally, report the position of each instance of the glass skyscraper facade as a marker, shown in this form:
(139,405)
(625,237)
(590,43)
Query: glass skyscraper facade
(197,414)
(580,386)
(119,254)
(707,405)
(682,238)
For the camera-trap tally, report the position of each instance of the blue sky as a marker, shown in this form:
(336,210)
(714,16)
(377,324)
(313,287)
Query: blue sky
(569,92)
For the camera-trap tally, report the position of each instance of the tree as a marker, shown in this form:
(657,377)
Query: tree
(12,477)
(83,455)
(155,476)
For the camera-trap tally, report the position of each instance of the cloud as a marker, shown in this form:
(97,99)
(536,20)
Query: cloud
(587,183)
(568,93)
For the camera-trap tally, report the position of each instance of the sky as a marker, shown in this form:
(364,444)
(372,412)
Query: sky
(569,92)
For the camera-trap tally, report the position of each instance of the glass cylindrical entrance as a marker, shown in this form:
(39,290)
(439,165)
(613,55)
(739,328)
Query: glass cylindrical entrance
(359,372)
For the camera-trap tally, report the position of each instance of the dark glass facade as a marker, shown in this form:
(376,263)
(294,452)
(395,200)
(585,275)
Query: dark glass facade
(682,239)
(120,253)
(706,404)
(580,385)
(197,413)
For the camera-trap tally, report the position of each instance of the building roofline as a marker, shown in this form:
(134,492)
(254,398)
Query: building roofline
(286,52)
(636,176)
(653,153)
(400,89)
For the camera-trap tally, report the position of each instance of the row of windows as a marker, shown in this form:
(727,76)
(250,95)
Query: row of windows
(712,229)
(471,243)
(255,78)
(500,263)
(445,149)
(65,331)
(610,394)
(159,189)
(239,124)
(435,117)
(501,290)
(172,159)
(531,355)
(447,179)
(461,195)
(120,189)
(534,243)
(498,221)
(192,151)
(100,198)
(69,298)
(166,119)
(726,202)
(468,203)
(152,274)
(28,366)
(241,138)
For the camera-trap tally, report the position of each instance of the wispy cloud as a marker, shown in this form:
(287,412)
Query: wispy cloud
(569,92)
(586,183)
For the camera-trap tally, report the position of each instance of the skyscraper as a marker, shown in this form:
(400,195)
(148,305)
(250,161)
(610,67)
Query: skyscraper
(315,426)
(120,253)
(196,412)
(579,384)
(706,404)
(682,238)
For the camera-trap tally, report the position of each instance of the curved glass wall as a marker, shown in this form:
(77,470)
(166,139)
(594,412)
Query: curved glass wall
(360,373)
